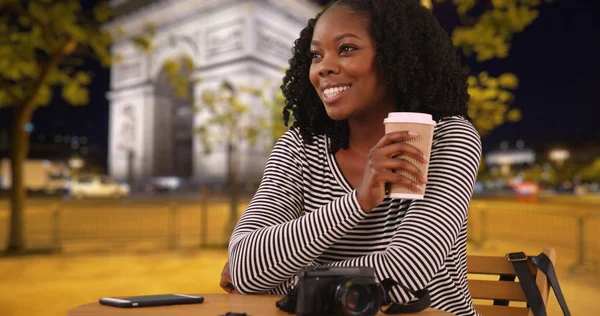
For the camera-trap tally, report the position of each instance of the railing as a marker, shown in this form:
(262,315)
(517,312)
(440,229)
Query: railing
(174,224)
(72,224)
(573,233)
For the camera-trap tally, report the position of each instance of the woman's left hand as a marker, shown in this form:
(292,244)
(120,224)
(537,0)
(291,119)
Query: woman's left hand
(226,283)
(382,160)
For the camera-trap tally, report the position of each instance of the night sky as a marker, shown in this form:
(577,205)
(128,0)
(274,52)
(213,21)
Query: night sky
(554,58)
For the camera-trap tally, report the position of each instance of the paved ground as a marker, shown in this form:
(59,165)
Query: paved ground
(138,263)
(60,282)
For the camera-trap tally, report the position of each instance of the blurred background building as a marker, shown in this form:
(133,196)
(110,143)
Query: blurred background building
(240,42)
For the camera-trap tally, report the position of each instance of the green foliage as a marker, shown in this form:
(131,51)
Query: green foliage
(227,113)
(591,172)
(488,35)
(275,106)
(178,72)
(102,12)
(541,174)
(228,119)
(144,41)
(274,101)
(489,106)
(485,32)
(38,39)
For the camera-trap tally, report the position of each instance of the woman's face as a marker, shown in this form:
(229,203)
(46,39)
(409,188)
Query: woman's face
(344,71)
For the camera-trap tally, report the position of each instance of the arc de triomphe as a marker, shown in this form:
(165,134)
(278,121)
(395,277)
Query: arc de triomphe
(242,41)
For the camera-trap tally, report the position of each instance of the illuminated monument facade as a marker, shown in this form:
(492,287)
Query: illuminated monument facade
(244,42)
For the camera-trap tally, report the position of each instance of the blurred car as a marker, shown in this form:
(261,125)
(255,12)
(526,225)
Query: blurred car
(527,191)
(98,187)
(163,184)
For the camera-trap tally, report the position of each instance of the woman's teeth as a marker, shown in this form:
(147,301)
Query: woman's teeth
(333,91)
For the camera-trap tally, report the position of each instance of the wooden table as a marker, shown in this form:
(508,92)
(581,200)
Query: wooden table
(214,305)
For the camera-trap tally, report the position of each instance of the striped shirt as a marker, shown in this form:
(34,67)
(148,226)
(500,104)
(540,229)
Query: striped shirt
(305,212)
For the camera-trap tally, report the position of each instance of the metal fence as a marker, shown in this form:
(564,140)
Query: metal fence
(193,223)
(112,223)
(573,232)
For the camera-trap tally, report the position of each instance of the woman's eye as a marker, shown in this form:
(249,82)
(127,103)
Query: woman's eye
(314,55)
(346,49)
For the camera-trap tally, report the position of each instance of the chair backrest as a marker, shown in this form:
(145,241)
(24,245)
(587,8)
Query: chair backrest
(484,283)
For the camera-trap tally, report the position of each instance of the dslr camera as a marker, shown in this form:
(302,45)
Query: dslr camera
(336,291)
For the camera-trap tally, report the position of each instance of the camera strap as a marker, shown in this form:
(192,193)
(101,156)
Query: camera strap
(532,294)
(422,301)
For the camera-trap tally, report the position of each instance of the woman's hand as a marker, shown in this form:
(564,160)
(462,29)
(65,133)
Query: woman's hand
(378,170)
(226,283)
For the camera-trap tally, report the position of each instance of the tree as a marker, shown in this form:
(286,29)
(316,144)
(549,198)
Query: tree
(490,99)
(43,42)
(230,119)
(485,32)
(274,101)
(591,172)
(230,115)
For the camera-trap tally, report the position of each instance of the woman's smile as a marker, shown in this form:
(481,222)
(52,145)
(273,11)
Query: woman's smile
(334,93)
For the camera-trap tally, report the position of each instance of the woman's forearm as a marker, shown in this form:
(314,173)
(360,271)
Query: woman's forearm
(262,258)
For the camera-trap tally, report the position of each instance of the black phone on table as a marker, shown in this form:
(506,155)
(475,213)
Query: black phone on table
(151,300)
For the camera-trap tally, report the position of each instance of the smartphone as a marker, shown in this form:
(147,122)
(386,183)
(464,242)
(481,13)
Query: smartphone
(151,300)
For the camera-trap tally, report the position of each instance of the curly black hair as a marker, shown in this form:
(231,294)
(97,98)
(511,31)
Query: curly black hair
(418,56)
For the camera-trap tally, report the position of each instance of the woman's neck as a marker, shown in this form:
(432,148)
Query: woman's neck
(365,133)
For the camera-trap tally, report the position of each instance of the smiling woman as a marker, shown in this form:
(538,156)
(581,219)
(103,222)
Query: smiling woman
(344,66)
(403,45)
(323,199)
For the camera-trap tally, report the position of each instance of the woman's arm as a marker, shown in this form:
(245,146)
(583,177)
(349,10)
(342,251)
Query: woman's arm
(430,227)
(271,242)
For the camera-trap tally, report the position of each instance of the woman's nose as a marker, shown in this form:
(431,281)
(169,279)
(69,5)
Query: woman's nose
(329,66)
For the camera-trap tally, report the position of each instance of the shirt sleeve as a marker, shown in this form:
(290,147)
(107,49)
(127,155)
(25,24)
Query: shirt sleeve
(272,242)
(431,226)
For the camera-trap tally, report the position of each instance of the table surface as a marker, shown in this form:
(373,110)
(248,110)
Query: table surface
(214,305)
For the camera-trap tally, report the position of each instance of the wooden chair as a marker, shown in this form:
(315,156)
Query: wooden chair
(485,287)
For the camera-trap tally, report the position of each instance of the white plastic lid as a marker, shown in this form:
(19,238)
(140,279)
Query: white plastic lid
(409,117)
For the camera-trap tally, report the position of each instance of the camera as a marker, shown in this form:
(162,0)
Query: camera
(346,291)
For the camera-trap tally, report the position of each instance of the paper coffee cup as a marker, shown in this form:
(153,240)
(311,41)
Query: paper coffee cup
(423,125)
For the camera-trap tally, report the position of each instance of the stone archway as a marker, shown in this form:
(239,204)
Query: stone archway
(174,118)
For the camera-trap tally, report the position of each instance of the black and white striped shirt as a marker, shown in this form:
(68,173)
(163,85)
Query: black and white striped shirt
(305,212)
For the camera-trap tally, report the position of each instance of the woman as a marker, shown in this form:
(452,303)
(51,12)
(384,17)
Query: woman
(322,199)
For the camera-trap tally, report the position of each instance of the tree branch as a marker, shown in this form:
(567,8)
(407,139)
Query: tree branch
(18,8)
(55,59)
(5,86)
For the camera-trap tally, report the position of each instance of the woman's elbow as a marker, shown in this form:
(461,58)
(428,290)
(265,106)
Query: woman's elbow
(418,266)
(250,286)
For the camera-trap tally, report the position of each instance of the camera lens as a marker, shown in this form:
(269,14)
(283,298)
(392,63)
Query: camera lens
(357,297)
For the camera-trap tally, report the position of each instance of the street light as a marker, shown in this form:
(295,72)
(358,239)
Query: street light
(559,155)
(504,161)
(76,163)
